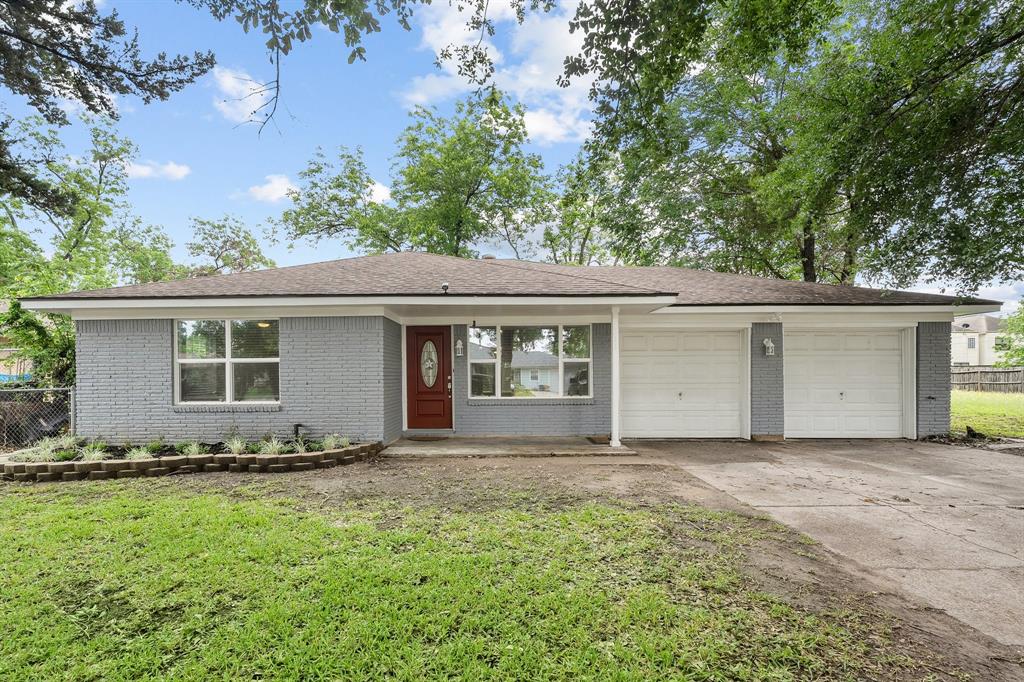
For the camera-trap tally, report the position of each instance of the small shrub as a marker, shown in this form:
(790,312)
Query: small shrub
(299,445)
(236,445)
(345,442)
(95,452)
(43,455)
(65,455)
(67,441)
(156,445)
(138,453)
(192,448)
(331,441)
(272,446)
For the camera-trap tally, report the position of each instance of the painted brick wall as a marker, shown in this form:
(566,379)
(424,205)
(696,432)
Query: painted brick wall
(392,380)
(555,417)
(767,389)
(332,380)
(933,381)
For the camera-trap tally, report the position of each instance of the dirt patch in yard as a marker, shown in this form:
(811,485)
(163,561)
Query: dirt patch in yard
(777,560)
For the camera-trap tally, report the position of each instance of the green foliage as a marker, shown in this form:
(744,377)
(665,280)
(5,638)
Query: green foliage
(54,449)
(56,51)
(138,453)
(272,446)
(577,235)
(192,448)
(456,181)
(47,341)
(1013,337)
(236,445)
(156,445)
(224,245)
(331,441)
(94,452)
(887,148)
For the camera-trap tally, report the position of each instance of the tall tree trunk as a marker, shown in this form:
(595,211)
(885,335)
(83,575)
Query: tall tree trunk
(807,253)
(848,272)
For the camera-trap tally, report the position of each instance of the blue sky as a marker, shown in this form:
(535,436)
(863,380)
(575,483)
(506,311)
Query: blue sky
(197,158)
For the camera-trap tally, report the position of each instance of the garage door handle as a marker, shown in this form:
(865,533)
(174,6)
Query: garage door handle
(680,394)
(842,395)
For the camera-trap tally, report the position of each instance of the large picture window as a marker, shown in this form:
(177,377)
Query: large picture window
(542,361)
(227,361)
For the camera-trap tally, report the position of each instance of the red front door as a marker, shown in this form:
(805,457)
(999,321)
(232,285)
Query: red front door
(429,377)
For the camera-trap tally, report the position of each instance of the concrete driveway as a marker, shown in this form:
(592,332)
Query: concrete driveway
(943,524)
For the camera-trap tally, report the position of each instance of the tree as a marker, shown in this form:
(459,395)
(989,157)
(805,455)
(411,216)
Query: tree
(143,253)
(824,166)
(338,201)
(52,51)
(576,236)
(1013,355)
(47,249)
(83,241)
(456,182)
(48,342)
(224,245)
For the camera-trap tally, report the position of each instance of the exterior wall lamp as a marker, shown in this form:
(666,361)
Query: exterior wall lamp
(458,348)
(769,347)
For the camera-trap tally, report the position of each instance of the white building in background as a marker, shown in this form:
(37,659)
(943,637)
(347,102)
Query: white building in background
(978,340)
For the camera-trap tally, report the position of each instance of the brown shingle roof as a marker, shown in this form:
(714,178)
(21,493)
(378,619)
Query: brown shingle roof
(421,274)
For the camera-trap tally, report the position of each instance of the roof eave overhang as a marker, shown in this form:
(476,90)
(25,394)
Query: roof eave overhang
(72,304)
(966,309)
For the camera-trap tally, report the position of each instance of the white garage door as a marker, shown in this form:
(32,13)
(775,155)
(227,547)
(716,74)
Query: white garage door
(681,384)
(843,384)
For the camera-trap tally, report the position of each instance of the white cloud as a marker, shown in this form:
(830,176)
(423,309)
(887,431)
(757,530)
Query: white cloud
(1011,293)
(239,95)
(275,189)
(379,193)
(528,70)
(434,87)
(163,171)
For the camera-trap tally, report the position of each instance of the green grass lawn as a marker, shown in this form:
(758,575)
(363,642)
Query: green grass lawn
(993,414)
(135,579)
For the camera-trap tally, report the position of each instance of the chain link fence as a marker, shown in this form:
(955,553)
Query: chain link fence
(28,414)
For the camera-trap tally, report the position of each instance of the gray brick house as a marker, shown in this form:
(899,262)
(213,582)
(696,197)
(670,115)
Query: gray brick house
(380,346)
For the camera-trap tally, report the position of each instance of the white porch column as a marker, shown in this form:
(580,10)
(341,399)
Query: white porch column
(615,377)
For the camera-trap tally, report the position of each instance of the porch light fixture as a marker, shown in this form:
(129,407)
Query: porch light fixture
(458,348)
(263,325)
(769,347)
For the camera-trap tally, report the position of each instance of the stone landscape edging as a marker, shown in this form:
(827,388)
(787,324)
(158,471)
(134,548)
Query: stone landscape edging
(187,464)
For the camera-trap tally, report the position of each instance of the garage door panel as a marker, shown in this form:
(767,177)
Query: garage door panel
(632,342)
(843,384)
(682,384)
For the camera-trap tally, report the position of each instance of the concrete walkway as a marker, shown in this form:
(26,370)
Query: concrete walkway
(470,446)
(943,524)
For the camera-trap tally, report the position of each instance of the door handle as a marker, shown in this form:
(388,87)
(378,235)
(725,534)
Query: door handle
(449,386)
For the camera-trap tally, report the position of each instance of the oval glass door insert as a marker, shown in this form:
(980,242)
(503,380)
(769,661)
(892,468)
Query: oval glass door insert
(428,363)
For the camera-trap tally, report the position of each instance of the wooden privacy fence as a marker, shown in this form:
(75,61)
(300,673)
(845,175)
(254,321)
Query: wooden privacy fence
(997,379)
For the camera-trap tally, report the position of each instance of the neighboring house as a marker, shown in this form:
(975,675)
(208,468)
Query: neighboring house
(378,346)
(978,340)
(11,368)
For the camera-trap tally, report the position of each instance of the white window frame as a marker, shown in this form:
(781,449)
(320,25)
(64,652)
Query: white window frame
(227,361)
(496,361)
(972,342)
